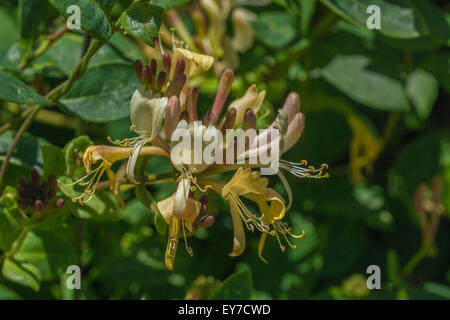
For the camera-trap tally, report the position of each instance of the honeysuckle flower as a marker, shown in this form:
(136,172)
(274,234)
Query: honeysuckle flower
(210,20)
(164,114)
(149,101)
(180,212)
(103,157)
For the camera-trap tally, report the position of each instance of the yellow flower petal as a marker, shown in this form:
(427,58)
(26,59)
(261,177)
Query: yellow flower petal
(190,212)
(271,205)
(245,181)
(238,229)
(193,61)
(251,99)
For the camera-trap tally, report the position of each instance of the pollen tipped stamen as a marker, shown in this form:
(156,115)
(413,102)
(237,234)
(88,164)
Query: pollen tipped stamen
(302,169)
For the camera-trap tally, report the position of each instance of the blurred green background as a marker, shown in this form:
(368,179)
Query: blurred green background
(377,112)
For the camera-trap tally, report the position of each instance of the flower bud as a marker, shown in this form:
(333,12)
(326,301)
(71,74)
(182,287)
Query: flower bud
(208,119)
(191,103)
(162,76)
(222,92)
(249,120)
(294,131)
(138,65)
(147,76)
(59,203)
(167,63)
(35,178)
(176,85)
(228,121)
(180,66)
(153,66)
(172,116)
(184,116)
(292,105)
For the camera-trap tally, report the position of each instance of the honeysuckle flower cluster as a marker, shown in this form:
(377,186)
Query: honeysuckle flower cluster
(210,31)
(164,105)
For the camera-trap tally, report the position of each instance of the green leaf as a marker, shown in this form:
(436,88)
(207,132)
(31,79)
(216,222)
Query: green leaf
(96,100)
(106,5)
(92,18)
(48,252)
(8,294)
(9,228)
(14,90)
(238,286)
(308,7)
(345,244)
(73,154)
(54,162)
(169,4)
(354,77)
(274,29)
(27,153)
(439,65)
(437,289)
(399,19)
(142,21)
(24,274)
(31,12)
(9,27)
(423,89)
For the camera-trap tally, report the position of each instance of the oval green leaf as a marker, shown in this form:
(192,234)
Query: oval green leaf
(352,75)
(142,21)
(14,90)
(238,286)
(399,19)
(94,99)
(92,18)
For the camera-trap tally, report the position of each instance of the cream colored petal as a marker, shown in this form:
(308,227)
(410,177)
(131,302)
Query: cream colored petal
(165,207)
(242,30)
(181,197)
(147,112)
(131,164)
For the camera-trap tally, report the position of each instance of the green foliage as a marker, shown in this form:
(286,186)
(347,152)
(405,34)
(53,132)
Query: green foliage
(410,25)
(142,21)
(96,100)
(14,90)
(93,17)
(238,286)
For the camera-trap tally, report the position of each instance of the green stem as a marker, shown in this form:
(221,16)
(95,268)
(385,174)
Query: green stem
(415,260)
(390,126)
(15,142)
(325,24)
(43,47)
(18,243)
